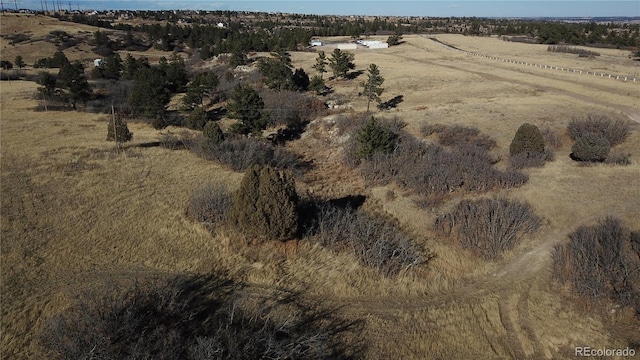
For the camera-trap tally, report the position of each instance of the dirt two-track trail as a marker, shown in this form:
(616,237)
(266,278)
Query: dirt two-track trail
(508,289)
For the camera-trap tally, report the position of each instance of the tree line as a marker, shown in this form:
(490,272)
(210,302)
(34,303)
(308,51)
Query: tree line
(289,31)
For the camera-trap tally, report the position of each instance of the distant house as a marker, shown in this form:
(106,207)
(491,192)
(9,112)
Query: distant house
(221,25)
(373,44)
(347,46)
(97,62)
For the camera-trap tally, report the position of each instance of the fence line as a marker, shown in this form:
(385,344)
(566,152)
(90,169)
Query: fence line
(610,76)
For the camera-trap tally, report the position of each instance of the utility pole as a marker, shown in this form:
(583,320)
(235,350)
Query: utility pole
(115,131)
(15,3)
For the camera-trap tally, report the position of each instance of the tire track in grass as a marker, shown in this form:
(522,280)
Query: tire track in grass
(505,308)
(524,316)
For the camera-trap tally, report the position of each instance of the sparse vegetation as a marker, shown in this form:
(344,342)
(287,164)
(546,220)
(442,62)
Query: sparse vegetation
(210,205)
(74,213)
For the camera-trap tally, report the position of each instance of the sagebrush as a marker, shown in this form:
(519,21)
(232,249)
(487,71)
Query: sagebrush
(489,226)
(602,260)
(196,318)
(377,242)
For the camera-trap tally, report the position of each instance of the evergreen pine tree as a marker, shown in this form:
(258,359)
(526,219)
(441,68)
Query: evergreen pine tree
(374,137)
(121,133)
(372,87)
(528,140)
(265,205)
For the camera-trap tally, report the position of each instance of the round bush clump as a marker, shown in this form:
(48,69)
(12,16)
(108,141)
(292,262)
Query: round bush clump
(591,147)
(528,140)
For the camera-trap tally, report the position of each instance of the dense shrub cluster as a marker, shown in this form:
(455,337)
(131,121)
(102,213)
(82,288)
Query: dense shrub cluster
(240,153)
(488,227)
(376,242)
(195,318)
(615,131)
(602,260)
(290,108)
(594,136)
(457,135)
(432,171)
(265,207)
(572,50)
(591,147)
(528,149)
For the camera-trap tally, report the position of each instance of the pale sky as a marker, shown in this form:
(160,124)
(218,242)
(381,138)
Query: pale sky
(479,8)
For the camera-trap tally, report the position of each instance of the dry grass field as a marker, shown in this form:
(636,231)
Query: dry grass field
(75,214)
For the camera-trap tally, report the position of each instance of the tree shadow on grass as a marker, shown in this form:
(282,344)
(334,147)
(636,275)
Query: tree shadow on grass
(391,103)
(192,317)
(354,74)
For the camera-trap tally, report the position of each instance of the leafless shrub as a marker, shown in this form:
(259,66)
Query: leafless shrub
(170,141)
(9,75)
(524,160)
(521,39)
(615,131)
(551,138)
(488,227)
(572,50)
(17,38)
(240,154)
(601,261)
(196,318)
(427,128)
(432,171)
(290,108)
(457,135)
(108,93)
(376,242)
(210,205)
(350,124)
(618,158)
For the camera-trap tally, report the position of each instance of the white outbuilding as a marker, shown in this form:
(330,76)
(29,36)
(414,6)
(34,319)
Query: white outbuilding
(97,62)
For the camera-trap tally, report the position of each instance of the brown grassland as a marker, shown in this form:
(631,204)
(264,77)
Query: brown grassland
(75,214)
